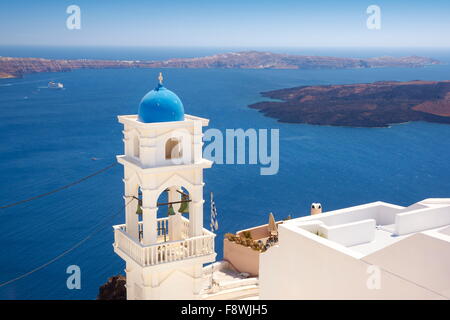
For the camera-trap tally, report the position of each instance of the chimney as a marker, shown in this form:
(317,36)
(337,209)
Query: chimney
(316,208)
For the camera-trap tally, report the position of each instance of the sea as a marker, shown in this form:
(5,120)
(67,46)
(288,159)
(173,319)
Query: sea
(50,138)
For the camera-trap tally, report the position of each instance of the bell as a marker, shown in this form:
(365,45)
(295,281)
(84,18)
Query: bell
(184,207)
(139,207)
(170,211)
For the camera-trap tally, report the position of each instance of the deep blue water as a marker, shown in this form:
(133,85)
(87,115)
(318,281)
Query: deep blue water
(48,139)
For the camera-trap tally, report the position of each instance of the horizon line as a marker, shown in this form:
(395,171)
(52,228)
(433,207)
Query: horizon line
(224,46)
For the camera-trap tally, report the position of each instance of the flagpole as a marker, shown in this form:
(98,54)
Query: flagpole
(212,227)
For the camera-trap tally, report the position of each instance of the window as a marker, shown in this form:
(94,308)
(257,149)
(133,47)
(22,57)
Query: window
(173,148)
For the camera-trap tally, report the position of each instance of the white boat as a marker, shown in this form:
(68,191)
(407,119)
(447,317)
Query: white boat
(55,85)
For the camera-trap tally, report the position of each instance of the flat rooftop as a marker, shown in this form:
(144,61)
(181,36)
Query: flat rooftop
(385,238)
(371,227)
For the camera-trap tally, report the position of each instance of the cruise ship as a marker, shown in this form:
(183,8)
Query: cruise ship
(55,85)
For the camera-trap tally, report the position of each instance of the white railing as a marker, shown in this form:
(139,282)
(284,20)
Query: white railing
(184,227)
(163,227)
(170,251)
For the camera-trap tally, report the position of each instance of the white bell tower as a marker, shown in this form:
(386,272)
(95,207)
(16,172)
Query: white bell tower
(163,153)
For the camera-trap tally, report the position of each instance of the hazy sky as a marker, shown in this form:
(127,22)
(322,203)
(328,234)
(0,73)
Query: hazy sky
(226,23)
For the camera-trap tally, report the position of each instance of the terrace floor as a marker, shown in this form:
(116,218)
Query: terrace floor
(383,238)
(228,283)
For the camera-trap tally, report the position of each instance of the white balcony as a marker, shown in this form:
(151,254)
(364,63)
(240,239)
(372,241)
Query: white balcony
(164,251)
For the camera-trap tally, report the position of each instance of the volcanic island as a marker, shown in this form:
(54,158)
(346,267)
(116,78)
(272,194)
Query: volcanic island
(377,104)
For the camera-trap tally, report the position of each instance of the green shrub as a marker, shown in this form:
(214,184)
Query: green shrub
(247,234)
(230,236)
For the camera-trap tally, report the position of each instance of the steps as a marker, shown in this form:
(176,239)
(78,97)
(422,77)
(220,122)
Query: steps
(235,293)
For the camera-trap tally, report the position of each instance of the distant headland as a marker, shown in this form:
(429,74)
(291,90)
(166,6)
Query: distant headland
(377,104)
(17,67)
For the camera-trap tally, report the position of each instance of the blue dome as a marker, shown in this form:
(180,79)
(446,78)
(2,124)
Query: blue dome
(160,105)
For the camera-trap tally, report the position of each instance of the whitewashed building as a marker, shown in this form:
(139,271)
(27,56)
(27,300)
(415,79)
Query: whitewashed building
(372,251)
(163,153)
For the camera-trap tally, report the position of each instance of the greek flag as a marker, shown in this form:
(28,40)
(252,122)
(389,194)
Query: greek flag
(214,223)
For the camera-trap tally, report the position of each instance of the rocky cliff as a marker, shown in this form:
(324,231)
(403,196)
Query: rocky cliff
(17,67)
(113,289)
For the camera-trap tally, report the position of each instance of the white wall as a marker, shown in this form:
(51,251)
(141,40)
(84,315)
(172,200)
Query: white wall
(383,213)
(351,215)
(353,233)
(347,234)
(305,266)
(423,258)
(422,219)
